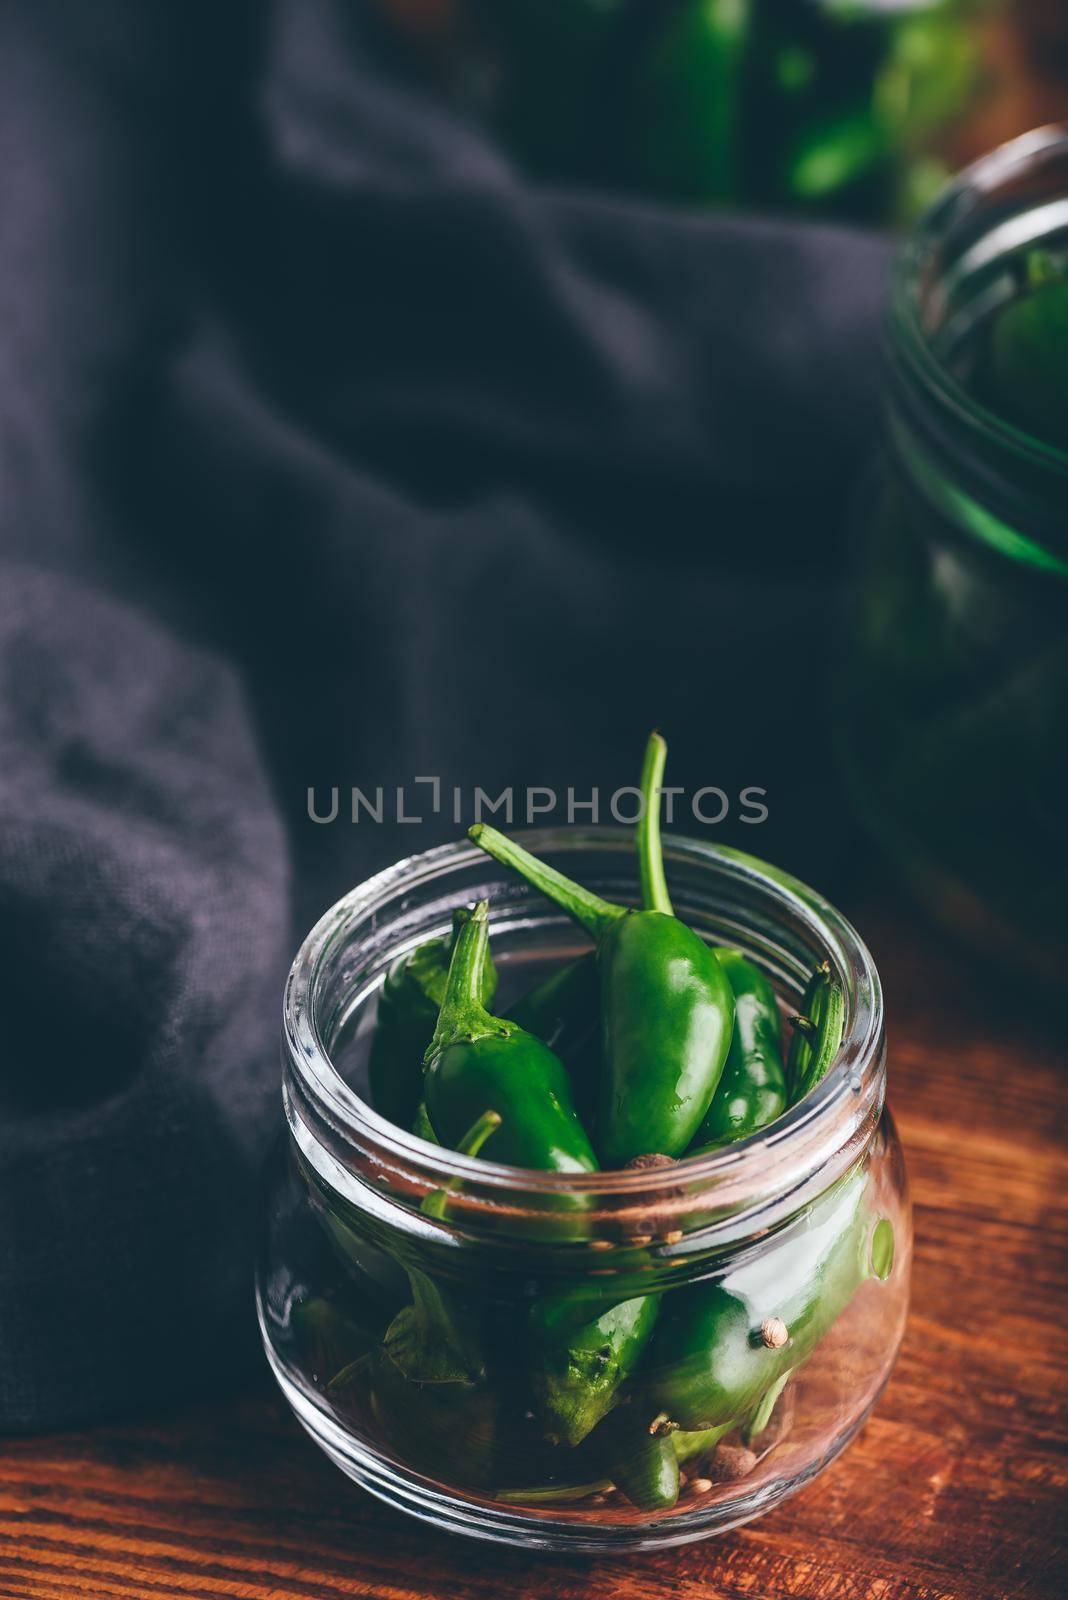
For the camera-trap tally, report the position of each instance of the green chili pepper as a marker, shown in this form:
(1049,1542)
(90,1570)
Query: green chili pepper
(618,1439)
(448,1430)
(835,154)
(758,1422)
(818,1030)
(432,1341)
(479,1061)
(421,1125)
(580,1363)
(752,1090)
(690,95)
(335,1349)
(407,1013)
(666,1006)
(428,1388)
(720,1346)
(643,1465)
(687,1445)
(563,1011)
(580,1366)
(804,1028)
(577,1372)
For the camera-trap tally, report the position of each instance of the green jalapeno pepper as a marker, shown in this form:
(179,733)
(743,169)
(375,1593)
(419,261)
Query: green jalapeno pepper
(477,1061)
(428,1386)
(561,1010)
(689,99)
(421,1125)
(644,1466)
(666,1006)
(644,1462)
(752,1091)
(335,1348)
(579,1366)
(432,1341)
(818,1030)
(577,1371)
(407,1014)
(758,1422)
(447,1430)
(720,1347)
(687,1445)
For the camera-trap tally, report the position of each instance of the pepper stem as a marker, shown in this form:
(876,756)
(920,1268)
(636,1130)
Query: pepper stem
(655,895)
(462,1012)
(479,1132)
(588,909)
(436,1203)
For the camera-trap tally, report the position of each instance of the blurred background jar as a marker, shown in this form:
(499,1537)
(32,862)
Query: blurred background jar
(851,108)
(954,725)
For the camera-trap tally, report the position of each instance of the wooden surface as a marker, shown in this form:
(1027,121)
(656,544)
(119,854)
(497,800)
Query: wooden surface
(954,1490)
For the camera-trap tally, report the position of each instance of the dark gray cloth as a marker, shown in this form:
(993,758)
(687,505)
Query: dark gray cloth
(335,453)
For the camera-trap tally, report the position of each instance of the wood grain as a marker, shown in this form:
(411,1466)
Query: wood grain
(955,1490)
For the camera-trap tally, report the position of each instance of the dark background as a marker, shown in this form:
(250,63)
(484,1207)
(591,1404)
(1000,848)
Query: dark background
(334,451)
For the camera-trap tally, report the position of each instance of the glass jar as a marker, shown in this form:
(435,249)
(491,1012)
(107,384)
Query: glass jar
(954,726)
(769,1279)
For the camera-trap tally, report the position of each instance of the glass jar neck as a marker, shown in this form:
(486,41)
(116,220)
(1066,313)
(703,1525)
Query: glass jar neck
(995,484)
(703,1205)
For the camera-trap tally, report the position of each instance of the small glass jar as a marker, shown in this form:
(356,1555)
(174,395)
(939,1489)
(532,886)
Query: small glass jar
(954,724)
(774,1272)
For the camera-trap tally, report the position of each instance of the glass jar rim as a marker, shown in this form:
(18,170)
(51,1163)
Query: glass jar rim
(792,1150)
(910,342)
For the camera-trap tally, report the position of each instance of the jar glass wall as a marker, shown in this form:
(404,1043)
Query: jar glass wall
(954,724)
(766,1283)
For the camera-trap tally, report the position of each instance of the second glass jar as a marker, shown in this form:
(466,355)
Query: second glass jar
(953,724)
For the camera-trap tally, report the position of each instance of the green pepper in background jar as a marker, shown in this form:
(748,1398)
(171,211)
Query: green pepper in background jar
(833,106)
(687,126)
(860,93)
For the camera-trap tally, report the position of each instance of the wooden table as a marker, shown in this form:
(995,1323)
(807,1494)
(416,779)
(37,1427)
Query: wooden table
(953,1491)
